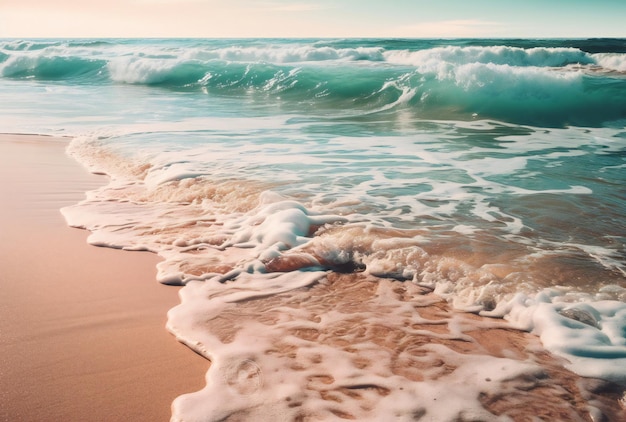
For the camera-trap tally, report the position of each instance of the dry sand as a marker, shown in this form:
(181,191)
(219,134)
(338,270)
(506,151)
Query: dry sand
(82,332)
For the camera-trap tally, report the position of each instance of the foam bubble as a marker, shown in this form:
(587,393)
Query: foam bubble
(590,335)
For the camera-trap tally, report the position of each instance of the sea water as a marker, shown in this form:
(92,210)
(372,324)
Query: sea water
(309,192)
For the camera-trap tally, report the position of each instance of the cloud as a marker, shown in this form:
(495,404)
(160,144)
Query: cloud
(452,29)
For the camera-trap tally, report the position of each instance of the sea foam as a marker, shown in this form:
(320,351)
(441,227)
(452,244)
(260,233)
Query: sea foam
(261,245)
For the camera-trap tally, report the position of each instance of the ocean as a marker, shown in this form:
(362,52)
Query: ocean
(316,197)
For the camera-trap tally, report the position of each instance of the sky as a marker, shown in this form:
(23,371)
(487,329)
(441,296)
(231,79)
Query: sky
(313,18)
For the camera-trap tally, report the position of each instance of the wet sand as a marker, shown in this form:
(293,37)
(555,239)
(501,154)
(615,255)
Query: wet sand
(442,353)
(82,332)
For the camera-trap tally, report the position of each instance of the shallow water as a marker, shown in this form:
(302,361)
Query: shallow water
(488,172)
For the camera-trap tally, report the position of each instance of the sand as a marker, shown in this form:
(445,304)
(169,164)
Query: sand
(82,332)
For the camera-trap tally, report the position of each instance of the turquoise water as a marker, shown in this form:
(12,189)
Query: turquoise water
(547,83)
(490,171)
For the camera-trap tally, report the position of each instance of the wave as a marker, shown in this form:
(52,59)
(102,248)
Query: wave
(611,61)
(529,95)
(512,56)
(533,95)
(54,67)
(414,52)
(135,70)
(552,86)
(293,54)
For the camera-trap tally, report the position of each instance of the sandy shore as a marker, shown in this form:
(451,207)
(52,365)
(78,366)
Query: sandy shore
(82,332)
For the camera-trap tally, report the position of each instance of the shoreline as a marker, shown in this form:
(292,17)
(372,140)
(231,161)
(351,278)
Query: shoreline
(82,328)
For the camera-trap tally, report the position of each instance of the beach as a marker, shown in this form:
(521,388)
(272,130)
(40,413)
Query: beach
(82,332)
(365,229)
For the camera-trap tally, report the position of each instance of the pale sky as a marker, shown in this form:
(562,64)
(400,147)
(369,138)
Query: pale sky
(312,18)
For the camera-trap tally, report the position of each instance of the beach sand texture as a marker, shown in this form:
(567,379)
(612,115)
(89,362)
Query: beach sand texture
(82,332)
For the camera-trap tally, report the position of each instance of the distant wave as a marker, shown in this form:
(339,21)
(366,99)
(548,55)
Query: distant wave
(512,56)
(291,54)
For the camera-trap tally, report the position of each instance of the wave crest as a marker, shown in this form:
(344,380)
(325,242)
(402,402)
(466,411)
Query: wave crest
(499,55)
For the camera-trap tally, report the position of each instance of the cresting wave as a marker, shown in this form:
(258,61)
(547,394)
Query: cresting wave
(551,86)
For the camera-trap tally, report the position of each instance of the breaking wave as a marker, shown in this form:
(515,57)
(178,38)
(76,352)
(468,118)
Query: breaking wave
(551,86)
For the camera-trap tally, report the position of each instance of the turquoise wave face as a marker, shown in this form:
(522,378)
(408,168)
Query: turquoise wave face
(543,83)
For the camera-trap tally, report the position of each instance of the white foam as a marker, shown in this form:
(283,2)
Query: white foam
(354,378)
(135,70)
(287,54)
(593,348)
(611,61)
(499,55)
